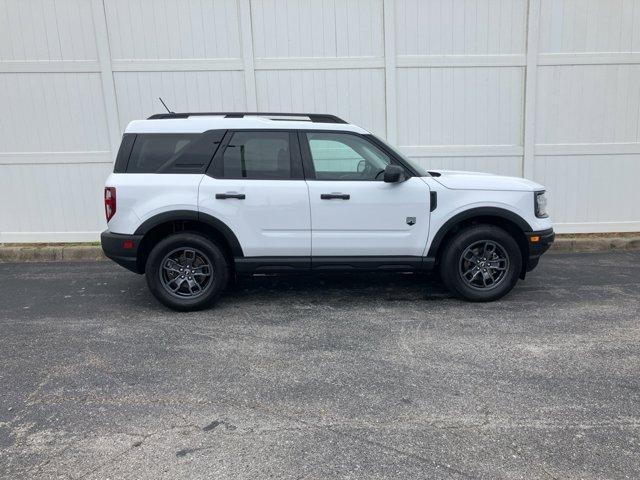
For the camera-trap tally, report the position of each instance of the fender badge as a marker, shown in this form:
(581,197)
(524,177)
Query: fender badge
(411,221)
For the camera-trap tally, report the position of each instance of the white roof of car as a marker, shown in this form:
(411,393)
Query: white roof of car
(198,123)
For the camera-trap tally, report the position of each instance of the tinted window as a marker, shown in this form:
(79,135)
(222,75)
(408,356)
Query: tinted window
(257,155)
(173,152)
(340,156)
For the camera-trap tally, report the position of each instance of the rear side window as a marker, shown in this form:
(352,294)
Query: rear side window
(155,152)
(257,156)
(170,152)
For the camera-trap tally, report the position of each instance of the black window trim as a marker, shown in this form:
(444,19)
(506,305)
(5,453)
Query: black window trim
(307,161)
(297,170)
(124,152)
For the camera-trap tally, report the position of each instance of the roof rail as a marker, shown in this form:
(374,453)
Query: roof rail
(313,117)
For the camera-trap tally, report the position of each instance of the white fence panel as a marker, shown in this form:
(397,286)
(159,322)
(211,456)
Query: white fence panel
(460,83)
(52,202)
(322,28)
(460,106)
(582,26)
(546,88)
(46,30)
(592,192)
(50,112)
(481,27)
(138,92)
(352,94)
(588,104)
(173,29)
(587,113)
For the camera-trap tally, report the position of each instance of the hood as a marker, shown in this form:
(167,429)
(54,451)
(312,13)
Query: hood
(458,180)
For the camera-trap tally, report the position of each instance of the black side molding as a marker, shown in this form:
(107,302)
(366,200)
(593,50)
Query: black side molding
(250,265)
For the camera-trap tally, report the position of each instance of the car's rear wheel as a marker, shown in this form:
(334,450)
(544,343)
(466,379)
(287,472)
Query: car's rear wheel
(186,271)
(481,263)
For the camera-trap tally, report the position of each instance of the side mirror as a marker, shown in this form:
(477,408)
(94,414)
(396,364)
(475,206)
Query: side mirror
(394,174)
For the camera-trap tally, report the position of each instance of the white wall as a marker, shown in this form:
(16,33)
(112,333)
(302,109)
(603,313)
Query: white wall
(548,89)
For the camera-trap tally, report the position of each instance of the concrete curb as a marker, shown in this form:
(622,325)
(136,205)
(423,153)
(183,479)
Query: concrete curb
(59,253)
(594,244)
(48,253)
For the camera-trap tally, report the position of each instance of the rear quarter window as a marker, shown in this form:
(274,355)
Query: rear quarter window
(156,152)
(171,152)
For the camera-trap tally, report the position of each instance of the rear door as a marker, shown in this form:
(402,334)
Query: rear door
(353,211)
(256,187)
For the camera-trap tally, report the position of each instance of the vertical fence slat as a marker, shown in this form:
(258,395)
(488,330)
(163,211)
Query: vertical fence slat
(531,77)
(389,27)
(106,74)
(246,34)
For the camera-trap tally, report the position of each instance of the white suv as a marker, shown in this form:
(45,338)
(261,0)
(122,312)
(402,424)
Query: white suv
(196,198)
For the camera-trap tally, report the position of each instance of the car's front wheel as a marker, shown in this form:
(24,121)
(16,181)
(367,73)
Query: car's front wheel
(186,271)
(481,263)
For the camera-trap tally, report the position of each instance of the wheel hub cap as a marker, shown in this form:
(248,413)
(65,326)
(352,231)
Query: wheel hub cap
(186,272)
(484,264)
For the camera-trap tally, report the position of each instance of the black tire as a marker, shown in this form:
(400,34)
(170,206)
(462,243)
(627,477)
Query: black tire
(190,252)
(481,270)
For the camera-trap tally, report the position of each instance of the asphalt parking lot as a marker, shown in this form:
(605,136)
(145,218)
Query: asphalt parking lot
(342,377)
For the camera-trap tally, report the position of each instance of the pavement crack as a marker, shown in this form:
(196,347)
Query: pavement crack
(397,451)
(381,445)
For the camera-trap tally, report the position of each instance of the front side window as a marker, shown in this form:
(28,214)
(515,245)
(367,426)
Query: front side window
(341,156)
(257,156)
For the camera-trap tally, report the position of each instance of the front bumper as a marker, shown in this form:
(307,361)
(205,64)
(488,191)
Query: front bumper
(539,242)
(122,249)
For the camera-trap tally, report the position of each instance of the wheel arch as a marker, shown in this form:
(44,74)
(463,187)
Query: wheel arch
(160,226)
(513,223)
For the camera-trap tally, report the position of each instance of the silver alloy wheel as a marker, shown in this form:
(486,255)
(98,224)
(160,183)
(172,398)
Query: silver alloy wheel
(186,272)
(484,264)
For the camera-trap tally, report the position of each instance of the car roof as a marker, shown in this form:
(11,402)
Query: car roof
(201,122)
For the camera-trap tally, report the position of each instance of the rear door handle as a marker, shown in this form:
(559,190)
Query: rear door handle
(330,196)
(224,196)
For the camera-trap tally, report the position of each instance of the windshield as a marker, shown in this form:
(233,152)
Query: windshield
(419,169)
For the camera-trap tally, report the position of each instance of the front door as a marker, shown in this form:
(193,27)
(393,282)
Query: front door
(353,211)
(256,187)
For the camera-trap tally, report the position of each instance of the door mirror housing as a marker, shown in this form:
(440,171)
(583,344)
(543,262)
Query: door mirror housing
(394,174)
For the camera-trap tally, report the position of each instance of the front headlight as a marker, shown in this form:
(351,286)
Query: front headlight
(541,204)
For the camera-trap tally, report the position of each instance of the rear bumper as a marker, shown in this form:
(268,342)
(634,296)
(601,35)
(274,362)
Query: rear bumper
(122,249)
(538,247)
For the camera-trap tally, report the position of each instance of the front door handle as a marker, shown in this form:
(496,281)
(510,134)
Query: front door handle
(330,196)
(223,196)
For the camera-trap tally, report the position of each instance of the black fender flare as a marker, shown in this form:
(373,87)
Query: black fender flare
(193,215)
(472,213)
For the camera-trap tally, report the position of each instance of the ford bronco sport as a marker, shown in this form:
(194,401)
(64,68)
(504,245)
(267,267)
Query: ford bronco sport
(195,198)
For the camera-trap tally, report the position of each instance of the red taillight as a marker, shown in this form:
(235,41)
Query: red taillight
(109,202)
